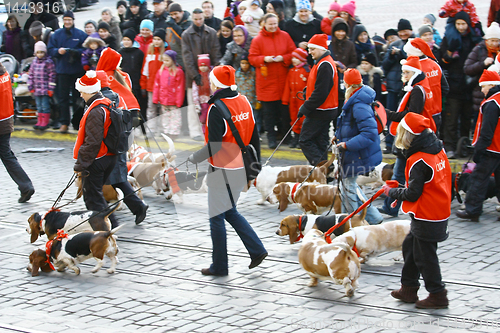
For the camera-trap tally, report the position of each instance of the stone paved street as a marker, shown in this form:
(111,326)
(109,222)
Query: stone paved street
(158,286)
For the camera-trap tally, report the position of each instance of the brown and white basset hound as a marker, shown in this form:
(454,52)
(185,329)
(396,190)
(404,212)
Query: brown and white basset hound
(270,176)
(71,222)
(296,226)
(325,261)
(310,198)
(370,240)
(70,250)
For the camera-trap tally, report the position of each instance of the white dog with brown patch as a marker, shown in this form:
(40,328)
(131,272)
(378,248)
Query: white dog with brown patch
(325,261)
(370,240)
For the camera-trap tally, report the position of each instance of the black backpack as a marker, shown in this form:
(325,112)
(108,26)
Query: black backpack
(118,133)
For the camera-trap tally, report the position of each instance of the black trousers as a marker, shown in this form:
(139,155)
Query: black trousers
(93,181)
(65,86)
(478,183)
(314,139)
(421,258)
(15,170)
(456,109)
(275,114)
(133,202)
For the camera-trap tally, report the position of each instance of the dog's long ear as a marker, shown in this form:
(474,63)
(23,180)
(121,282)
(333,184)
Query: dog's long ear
(37,259)
(283,190)
(34,222)
(293,228)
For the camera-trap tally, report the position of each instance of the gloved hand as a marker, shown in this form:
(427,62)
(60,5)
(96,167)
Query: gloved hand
(136,118)
(50,93)
(342,147)
(229,3)
(478,156)
(300,114)
(191,159)
(198,80)
(386,188)
(144,93)
(235,11)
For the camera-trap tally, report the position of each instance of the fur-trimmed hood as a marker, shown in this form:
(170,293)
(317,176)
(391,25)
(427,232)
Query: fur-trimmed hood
(374,70)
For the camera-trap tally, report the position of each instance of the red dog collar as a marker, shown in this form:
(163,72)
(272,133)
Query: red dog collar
(294,189)
(300,229)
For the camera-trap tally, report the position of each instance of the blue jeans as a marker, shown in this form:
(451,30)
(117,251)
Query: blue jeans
(219,197)
(12,165)
(42,104)
(349,193)
(399,175)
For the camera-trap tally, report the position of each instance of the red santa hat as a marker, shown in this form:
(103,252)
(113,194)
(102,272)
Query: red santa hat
(88,83)
(415,123)
(318,41)
(352,76)
(412,63)
(223,77)
(418,47)
(203,60)
(489,77)
(300,54)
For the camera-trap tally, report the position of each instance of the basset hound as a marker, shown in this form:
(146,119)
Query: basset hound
(296,226)
(70,250)
(140,154)
(310,198)
(368,241)
(71,222)
(325,261)
(377,176)
(270,176)
(175,184)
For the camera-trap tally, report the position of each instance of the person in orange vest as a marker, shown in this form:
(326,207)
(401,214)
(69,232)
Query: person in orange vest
(322,101)
(437,81)
(9,160)
(226,175)
(427,199)
(93,161)
(486,144)
(418,99)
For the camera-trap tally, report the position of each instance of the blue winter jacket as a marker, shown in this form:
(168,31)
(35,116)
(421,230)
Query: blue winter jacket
(70,62)
(356,126)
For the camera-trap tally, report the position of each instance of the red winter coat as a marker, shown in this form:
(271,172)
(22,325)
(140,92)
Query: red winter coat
(152,64)
(295,82)
(169,89)
(270,88)
(326,25)
(144,43)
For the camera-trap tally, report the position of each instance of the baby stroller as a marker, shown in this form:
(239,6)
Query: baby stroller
(24,102)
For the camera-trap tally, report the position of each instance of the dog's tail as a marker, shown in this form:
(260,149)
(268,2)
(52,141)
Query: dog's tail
(171,146)
(324,167)
(114,230)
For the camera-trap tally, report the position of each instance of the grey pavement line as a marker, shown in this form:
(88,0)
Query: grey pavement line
(18,329)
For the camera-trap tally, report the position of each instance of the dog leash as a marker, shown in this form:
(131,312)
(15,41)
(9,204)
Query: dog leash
(270,157)
(314,167)
(59,198)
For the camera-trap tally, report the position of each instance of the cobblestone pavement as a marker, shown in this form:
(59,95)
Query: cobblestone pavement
(158,286)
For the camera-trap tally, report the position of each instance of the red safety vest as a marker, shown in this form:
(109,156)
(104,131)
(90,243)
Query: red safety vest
(229,156)
(6,101)
(495,143)
(434,205)
(434,74)
(103,151)
(332,101)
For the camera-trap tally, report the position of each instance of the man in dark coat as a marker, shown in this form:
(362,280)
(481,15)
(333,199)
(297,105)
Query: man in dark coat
(210,20)
(134,16)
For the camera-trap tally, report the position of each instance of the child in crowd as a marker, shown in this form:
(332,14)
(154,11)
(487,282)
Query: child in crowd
(169,89)
(201,94)
(452,7)
(234,10)
(145,38)
(252,16)
(93,47)
(296,81)
(152,63)
(426,33)
(326,23)
(245,80)
(371,75)
(42,83)
(104,32)
(430,19)
(90,27)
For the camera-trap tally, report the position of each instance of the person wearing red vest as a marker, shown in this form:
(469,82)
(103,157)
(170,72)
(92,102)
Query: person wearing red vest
(93,161)
(437,81)
(322,101)
(9,160)
(427,199)
(486,144)
(418,99)
(226,175)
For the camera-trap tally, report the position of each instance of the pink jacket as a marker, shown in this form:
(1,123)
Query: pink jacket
(168,89)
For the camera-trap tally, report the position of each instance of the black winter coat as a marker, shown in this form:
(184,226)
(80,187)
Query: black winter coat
(134,21)
(132,59)
(392,66)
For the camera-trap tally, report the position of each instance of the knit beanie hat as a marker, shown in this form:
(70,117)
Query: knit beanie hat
(349,8)
(318,41)
(40,46)
(172,54)
(91,22)
(160,33)
(412,63)
(424,28)
(103,77)
(223,77)
(134,3)
(489,77)
(493,31)
(203,60)
(431,18)
(103,25)
(121,3)
(148,24)
(390,32)
(130,34)
(175,7)
(69,13)
(300,54)
(88,83)
(369,57)
(36,28)
(404,24)
(418,47)
(304,4)
(415,123)
(352,76)
(244,56)
(335,6)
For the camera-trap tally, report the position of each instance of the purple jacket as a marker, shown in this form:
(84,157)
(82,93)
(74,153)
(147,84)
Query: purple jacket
(42,76)
(91,57)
